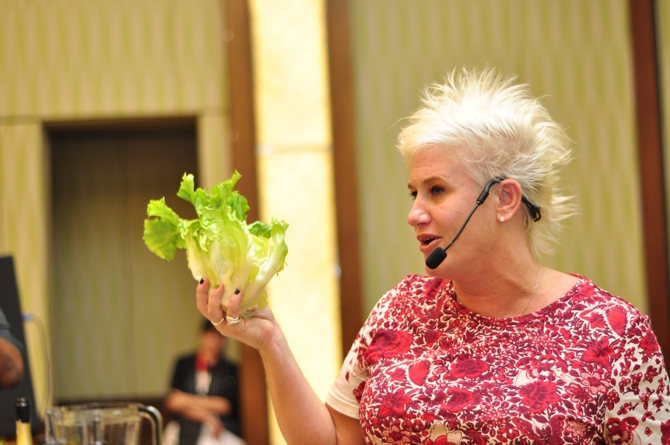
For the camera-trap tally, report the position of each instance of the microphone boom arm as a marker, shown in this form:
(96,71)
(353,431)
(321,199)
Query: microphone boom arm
(439,254)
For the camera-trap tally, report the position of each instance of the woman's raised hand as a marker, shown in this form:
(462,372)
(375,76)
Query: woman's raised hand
(256,331)
(302,416)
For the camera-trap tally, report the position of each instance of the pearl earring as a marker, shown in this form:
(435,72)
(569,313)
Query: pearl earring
(502,219)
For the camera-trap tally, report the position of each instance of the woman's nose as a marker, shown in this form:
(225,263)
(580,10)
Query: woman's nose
(417,215)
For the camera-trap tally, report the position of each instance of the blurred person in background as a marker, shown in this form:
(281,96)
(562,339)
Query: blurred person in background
(205,395)
(11,355)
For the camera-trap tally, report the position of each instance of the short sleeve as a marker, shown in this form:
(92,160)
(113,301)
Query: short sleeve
(638,404)
(344,395)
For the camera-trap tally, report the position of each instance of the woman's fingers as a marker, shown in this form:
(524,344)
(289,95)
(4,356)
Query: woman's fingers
(208,301)
(214,310)
(209,304)
(202,295)
(255,329)
(233,309)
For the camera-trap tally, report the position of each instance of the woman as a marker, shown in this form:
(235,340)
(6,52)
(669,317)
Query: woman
(490,346)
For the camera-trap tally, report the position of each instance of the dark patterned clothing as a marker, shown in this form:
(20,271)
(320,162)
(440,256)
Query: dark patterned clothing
(224,383)
(6,334)
(586,369)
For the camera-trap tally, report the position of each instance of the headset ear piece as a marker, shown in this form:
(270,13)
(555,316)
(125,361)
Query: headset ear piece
(485,193)
(532,209)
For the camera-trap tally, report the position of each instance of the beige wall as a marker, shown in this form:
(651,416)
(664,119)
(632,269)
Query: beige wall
(574,53)
(68,60)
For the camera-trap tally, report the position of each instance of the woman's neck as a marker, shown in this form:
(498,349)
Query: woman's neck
(509,295)
(513,296)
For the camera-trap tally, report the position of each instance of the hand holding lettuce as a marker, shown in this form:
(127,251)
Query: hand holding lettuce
(219,244)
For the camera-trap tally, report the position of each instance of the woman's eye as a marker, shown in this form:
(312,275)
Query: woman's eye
(435,190)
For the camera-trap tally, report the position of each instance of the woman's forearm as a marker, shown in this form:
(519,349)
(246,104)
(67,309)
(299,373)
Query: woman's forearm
(301,415)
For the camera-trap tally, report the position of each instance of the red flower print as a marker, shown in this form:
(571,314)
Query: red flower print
(596,320)
(418,372)
(524,426)
(539,395)
(665,430)
(649,344)
(441,440)
(394,404)
(458,399)
(579,394)
(397,374)
(388,344)
(527,363)
(616,317)
(651,374)
(431,336)
(563,376)
(599,352)
(620,431)
(469,368)
(476,437)
(594,381)
(612,399)
(396,436)
(577,429)
(358,392)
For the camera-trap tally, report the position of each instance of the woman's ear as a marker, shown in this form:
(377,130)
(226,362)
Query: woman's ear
(509,199)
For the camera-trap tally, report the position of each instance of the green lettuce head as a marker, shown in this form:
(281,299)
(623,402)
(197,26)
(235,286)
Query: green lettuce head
(219,244)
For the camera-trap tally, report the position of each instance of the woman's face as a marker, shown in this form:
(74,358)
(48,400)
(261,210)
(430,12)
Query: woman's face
(444,194)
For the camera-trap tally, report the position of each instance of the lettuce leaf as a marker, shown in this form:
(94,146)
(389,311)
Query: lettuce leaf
(219,244)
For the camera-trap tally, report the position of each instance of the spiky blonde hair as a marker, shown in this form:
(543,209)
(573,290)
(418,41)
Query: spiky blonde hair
(496,128)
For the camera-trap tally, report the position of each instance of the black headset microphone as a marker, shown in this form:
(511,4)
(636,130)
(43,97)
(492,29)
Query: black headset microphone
(439,254)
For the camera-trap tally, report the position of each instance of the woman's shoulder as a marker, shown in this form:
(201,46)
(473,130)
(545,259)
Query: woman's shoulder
(595,303)
(589,293)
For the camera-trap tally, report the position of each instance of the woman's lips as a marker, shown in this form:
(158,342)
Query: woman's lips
(427,243)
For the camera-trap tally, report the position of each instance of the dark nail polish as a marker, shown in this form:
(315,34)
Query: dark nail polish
(202,280)
(237,291)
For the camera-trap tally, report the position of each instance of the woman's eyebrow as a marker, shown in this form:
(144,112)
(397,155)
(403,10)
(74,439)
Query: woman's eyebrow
(427,181)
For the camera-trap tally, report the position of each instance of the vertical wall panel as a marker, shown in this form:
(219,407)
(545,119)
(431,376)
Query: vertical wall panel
(663,48)
(295,179)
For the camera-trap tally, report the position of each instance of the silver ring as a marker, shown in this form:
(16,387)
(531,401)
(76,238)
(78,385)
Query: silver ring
(231,320)
(216,323)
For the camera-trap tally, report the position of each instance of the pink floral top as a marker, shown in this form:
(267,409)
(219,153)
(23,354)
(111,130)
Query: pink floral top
(586,369)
